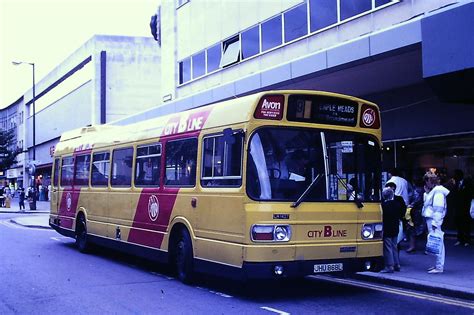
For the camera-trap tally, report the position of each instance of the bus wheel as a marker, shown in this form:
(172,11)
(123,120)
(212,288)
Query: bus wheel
(81,234)
(184,257)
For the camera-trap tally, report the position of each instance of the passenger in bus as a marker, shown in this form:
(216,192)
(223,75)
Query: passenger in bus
(392,214)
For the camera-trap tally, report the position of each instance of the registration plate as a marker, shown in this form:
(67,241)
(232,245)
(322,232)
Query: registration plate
(328,267)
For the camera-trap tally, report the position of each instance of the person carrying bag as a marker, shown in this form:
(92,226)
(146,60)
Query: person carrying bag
(434,210)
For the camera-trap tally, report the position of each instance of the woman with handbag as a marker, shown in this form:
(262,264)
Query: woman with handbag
(434,210)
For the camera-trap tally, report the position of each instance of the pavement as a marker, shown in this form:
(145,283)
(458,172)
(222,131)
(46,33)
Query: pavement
(457,281)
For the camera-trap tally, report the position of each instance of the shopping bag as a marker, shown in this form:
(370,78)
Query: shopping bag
(435,241)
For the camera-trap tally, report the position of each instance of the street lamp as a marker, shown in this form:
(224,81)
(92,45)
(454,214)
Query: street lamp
(17,63)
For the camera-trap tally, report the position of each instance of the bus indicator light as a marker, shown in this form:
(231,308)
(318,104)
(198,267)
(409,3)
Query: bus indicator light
(270,107)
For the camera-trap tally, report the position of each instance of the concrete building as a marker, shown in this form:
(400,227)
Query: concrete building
(413,57)
(107,78)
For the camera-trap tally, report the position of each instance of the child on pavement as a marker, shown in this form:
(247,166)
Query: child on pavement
(392,213)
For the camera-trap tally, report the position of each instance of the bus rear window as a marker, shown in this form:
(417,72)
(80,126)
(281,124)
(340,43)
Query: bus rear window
(322,110)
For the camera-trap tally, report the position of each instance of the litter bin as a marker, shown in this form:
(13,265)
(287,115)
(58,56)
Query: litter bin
(8,202)
(32,203)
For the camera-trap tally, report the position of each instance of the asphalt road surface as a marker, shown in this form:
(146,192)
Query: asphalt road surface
(42,272)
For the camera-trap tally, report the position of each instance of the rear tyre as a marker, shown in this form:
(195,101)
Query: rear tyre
(184,260)
(81,235)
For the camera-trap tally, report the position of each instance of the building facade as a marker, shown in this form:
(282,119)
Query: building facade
(414,58)
(107,78)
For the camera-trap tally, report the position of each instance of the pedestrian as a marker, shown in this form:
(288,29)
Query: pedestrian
(434,210)
(399,199)
(403,188)
(417,227)
(2,196)
(459,201)
(21,199)
(392,212)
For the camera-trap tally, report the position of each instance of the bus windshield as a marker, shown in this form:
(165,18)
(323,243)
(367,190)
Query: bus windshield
(283,162)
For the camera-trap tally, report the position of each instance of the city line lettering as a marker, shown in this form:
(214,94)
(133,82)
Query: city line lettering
(327,231)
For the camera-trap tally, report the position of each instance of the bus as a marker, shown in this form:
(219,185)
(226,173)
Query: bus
(271,185)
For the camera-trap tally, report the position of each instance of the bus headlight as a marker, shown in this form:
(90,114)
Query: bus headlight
(371,231)
(270,233)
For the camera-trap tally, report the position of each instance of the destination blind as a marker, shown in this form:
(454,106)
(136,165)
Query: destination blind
(322,110)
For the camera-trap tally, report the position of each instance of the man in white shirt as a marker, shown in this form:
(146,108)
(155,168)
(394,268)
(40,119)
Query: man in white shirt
(402,186)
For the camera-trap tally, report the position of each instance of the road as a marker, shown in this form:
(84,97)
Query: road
(41,272)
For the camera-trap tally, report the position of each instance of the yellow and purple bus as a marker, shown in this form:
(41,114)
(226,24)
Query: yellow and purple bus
(275,184)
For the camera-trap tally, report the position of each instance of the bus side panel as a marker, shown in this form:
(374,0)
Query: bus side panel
(220,227)
(152,216)
(68,207)
(97,211)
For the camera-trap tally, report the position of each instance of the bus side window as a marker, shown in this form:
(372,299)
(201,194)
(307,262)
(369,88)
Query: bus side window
(67,171)
(147,165)
(56,172)
(100,169)
(82,170)
(181,157)
(222,161)
(122,168)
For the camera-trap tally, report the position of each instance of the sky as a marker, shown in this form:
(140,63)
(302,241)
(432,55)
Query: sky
(46,32)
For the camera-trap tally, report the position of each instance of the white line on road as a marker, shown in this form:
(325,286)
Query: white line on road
(60,239)
(215,292)
(417,295)
(274,310)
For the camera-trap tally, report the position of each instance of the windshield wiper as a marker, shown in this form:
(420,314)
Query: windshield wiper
(356,195)
(306,192)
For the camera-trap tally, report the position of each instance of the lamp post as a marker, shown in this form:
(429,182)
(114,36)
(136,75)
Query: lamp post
(17,63)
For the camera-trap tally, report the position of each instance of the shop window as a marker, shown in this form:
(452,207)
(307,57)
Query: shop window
(100,169)
(122,168)
(251,42)
(67,171)
(231,48)
(181,158)
(271,33)
(222,161)
(296,22)
(185,71)
(213,57)
(56,172)
(147,165)
(199,64)
(350,8)
(82,170)
(322,13)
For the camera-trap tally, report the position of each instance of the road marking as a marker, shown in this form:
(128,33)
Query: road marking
(274,310)
(60,239)
(215,292)
(418,295)
(9,224)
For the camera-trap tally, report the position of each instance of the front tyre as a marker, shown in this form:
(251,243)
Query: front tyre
(184,260)
(81,235)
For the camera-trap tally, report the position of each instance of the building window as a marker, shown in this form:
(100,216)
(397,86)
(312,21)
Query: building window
(180,3)
(322,13)
(350,8)
(199,65)
(251,42)
(222,161)
(67,171)
(296,22)
(100,169)
(147,165)
(82,170)
(122,168)
(231,53)
(378,3)
(181,159)
(271,33)
(185,71)
(213,57)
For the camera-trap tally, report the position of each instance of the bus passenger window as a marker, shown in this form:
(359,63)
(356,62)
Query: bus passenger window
(147,165)
(181,159)
(122,168)
(82,170)
(56,172)
(100,169)
(222,161)
(67,171)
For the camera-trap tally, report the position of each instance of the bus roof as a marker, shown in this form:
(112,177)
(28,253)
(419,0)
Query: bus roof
(233,111)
